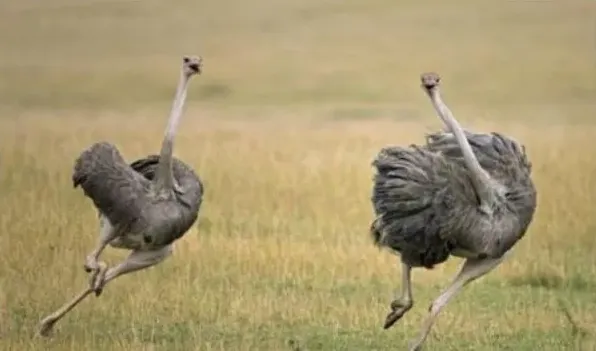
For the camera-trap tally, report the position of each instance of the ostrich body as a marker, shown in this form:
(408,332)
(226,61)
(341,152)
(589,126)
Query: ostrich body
(460,194)
(143,207)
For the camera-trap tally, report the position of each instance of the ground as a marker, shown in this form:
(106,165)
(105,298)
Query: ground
(295,100)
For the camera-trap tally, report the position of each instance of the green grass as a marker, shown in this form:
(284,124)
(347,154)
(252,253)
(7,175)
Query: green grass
(295,100)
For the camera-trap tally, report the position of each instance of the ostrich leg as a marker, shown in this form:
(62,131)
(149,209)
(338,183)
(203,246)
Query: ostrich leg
(107,233)
(471,270)
(137,260)
(404,302)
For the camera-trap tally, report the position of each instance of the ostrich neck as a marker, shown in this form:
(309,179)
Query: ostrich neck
(165,175)
(480,179)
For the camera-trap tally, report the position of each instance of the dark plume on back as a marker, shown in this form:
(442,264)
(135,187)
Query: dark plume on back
(125,194)
(425,202)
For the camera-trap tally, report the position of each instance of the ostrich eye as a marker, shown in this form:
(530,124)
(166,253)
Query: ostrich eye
(185,59)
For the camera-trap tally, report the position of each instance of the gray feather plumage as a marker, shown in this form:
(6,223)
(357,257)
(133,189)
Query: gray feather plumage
(127,197)
(427,208)
(143,207)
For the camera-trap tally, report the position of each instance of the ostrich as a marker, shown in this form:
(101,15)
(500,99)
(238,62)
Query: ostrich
(460,194)
(143,207)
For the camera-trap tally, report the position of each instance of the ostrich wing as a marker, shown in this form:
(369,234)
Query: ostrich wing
(147,166)
(189,183)
(414,190)
(505,160)
(502,157)
(117,190)
(187,187)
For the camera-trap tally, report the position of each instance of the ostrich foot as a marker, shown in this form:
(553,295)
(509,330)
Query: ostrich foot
(46,326)
(96,281)
(399,307)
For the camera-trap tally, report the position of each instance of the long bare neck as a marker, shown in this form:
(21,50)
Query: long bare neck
(165,176)
(480,178)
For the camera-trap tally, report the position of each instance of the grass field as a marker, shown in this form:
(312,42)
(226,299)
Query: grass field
(295,100)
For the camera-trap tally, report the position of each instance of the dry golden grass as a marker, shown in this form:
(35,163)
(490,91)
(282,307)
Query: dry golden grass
(296,99)
(282,250)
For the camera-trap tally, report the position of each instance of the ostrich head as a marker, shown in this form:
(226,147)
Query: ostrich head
(430,81)
(192,65)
